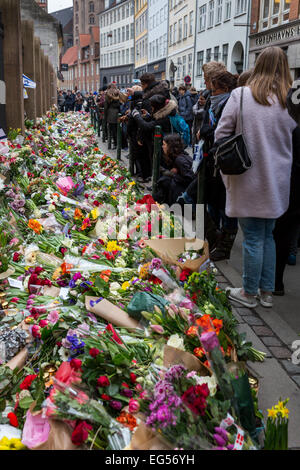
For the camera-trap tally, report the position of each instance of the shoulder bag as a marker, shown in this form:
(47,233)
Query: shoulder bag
(231,154)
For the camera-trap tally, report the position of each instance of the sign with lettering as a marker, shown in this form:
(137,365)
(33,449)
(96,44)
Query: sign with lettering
(287,33)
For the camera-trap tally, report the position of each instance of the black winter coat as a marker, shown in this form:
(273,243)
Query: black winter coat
(160,118)
(170,187)
(111,110)
(155,88)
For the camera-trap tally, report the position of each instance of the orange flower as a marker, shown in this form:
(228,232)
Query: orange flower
(218,324)
(199,352)
(192,331)
(127,420)
(105,275)
(205,322)
(78,214)
(35,226)
(66,268)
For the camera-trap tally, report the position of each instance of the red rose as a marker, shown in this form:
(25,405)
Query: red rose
(103,381)
(16,257)
(96,203)
(124,384)
(13,419)
(43,323)
(184,275)
(26,384)
(105,397)
(81,433)
(35,331)
(38,270)
(75,363)
(94,352)
(132,378)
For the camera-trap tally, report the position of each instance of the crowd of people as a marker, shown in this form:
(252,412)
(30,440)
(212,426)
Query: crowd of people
(264,201)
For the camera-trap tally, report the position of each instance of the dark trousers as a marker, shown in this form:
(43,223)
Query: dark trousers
(113,132)
(283,235)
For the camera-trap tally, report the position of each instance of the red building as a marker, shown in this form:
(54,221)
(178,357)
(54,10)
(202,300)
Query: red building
(84,62)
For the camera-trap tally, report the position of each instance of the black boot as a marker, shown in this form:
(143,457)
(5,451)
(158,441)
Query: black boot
(211,232)
(224,245)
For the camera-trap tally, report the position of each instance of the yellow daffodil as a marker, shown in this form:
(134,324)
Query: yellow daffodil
(11,444)
(279,405)
(132,183)
(272,413)
(284,412)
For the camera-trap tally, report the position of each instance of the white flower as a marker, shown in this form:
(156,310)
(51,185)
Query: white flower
(120,262)
(114,287)
(64,354)
(175,341)
(51,208)
(210,381)
(2,186)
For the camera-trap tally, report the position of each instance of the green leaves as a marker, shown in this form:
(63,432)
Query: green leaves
(26,402)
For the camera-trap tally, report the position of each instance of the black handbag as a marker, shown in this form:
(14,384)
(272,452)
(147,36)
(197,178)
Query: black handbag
(231,154)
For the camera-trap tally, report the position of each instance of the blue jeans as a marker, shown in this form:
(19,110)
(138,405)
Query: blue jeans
(259,254)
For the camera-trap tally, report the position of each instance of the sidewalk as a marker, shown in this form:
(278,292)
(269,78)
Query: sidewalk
(269,332)
(278,377)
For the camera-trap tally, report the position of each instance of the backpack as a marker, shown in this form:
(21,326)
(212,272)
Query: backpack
(181,127)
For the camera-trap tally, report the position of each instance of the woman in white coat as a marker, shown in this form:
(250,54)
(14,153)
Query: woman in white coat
(261,194)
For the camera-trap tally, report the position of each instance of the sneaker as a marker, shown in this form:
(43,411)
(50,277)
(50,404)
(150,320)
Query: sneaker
(237,295)
(266,300)
(291,260)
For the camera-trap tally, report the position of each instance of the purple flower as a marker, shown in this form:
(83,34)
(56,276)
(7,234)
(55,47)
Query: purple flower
(156,263)
(126,393)
(209,341)
(174,372)
(115,404)
(222,433)
(219,440)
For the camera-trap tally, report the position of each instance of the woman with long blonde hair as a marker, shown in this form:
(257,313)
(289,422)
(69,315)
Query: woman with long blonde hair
(261,194)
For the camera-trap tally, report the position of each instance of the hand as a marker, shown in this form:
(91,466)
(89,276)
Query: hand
(144,112)
(130,91)
(198,135)
(140,143)
(174,171)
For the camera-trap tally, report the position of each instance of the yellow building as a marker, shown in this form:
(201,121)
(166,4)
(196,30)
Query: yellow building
(141,36)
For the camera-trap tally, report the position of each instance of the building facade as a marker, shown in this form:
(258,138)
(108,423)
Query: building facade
(158,37)
(85,16)
(141,36)
(180,58)
(83,61)
(117,43)
(65,17)
(219,36)
(276,23)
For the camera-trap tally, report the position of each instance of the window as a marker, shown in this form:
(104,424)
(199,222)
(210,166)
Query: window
(211,11)
(185,26)
(180,30)
(190,64)
(76,6)
(175,33)
(119,35)
(91,7)
(76,18)
(171,35)
(191,23)
(225,54)
(240,6)
(227,9)
(286,5)
(266,9)
(216,53)
(276,5)
(208,55)
(92,19)
(127,56)
(219,11)
(202,18)
(127,32)
(131,30)
(123,33)
(200,59)
(184,66)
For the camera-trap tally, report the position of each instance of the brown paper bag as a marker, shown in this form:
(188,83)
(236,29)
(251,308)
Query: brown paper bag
(59,437)
(168,249)
(173,356)
(110,313)
(145,439)
(19,360)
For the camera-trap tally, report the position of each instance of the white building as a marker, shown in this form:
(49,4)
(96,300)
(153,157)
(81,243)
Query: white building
(181,44)
(218,36)
(157,37)
(117,43)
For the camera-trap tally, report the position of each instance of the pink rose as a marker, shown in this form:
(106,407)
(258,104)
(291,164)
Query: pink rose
(134,406)
(43,323)
(53,317)
(35,331)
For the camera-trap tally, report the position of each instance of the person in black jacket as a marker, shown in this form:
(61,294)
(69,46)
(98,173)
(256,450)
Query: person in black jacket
(178,172)
(289,222)
(69,101)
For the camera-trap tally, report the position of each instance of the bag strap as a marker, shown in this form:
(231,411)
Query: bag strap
(241,110)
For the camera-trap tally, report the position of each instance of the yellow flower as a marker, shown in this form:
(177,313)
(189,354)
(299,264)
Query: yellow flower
(272,413)
(95,213)
(279,405)
(131,183)
(284,412)
(125,285)
(113,246)
(11,444)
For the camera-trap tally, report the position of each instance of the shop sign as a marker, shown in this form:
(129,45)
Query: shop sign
(285,34)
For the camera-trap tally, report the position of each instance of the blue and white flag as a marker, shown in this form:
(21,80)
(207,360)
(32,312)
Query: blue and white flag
(28,83)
